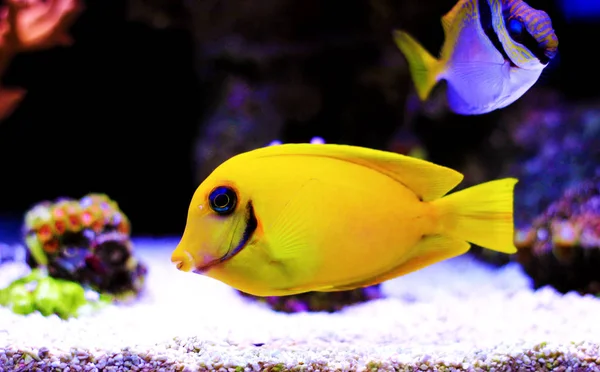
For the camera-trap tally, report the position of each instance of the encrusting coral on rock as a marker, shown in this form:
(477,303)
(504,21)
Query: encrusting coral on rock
(562,247)
(86,241)
(81,258)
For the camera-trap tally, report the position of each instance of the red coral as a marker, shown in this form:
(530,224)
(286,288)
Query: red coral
(31,25)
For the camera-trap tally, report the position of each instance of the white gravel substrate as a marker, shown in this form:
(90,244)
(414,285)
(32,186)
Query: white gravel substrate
(456,315)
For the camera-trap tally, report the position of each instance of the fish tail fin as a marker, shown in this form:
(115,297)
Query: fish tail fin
(482,214)
(424,68)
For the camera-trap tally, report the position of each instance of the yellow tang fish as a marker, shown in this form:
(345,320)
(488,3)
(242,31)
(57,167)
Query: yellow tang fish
(294,218)
(494,51)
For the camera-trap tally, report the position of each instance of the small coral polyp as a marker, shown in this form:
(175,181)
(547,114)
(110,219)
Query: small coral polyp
(85,241)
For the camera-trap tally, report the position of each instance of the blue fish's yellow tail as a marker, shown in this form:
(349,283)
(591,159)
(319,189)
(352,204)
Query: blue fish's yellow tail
(482,214)
(424,68)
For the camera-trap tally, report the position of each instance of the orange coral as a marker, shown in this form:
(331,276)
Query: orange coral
(31,25)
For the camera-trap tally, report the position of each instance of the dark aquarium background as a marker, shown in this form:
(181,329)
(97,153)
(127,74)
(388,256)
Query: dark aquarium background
(124,107)
(153,94)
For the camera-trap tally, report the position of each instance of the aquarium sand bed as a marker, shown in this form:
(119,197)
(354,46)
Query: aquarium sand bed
(457,315)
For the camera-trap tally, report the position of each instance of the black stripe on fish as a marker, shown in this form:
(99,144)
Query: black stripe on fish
(526,39)
(485,20)
(251,226)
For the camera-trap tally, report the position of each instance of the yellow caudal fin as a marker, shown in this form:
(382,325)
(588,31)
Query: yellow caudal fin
(424,68)
(482,214)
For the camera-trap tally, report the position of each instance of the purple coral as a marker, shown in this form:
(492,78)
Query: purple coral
(560,147)
(548,145)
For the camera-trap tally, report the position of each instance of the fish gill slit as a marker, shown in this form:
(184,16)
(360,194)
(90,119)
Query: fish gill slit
(251,226)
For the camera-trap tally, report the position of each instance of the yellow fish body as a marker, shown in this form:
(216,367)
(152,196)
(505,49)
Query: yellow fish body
(295,218)
(493,52)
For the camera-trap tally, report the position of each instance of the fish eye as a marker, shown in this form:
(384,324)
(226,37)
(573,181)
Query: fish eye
(515,29)
(222,200)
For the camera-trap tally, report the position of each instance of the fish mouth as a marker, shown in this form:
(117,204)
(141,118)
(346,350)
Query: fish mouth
(183,261)
(251,226)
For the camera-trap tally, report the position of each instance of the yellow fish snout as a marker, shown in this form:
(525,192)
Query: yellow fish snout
(183,260)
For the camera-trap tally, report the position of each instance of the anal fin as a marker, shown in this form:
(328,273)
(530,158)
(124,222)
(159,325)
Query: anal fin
(430,250)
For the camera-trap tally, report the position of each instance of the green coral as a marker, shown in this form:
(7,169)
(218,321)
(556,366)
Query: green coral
(39,292)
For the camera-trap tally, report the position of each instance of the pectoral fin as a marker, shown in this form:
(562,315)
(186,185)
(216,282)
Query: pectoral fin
(296,232)
(466,99)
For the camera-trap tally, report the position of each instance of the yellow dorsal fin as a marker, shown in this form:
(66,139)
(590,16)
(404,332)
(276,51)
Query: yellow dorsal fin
(449,18)
(428,180)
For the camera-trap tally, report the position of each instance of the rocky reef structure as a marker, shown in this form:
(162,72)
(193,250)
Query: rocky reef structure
(85,241)
(562,247)
(81,259)
(549,144)
(558,147)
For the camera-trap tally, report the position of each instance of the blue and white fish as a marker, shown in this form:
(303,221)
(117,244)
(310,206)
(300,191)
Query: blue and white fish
(494,51)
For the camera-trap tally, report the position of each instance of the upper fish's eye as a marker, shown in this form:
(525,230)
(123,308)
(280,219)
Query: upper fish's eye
(515,28)
(223,200)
